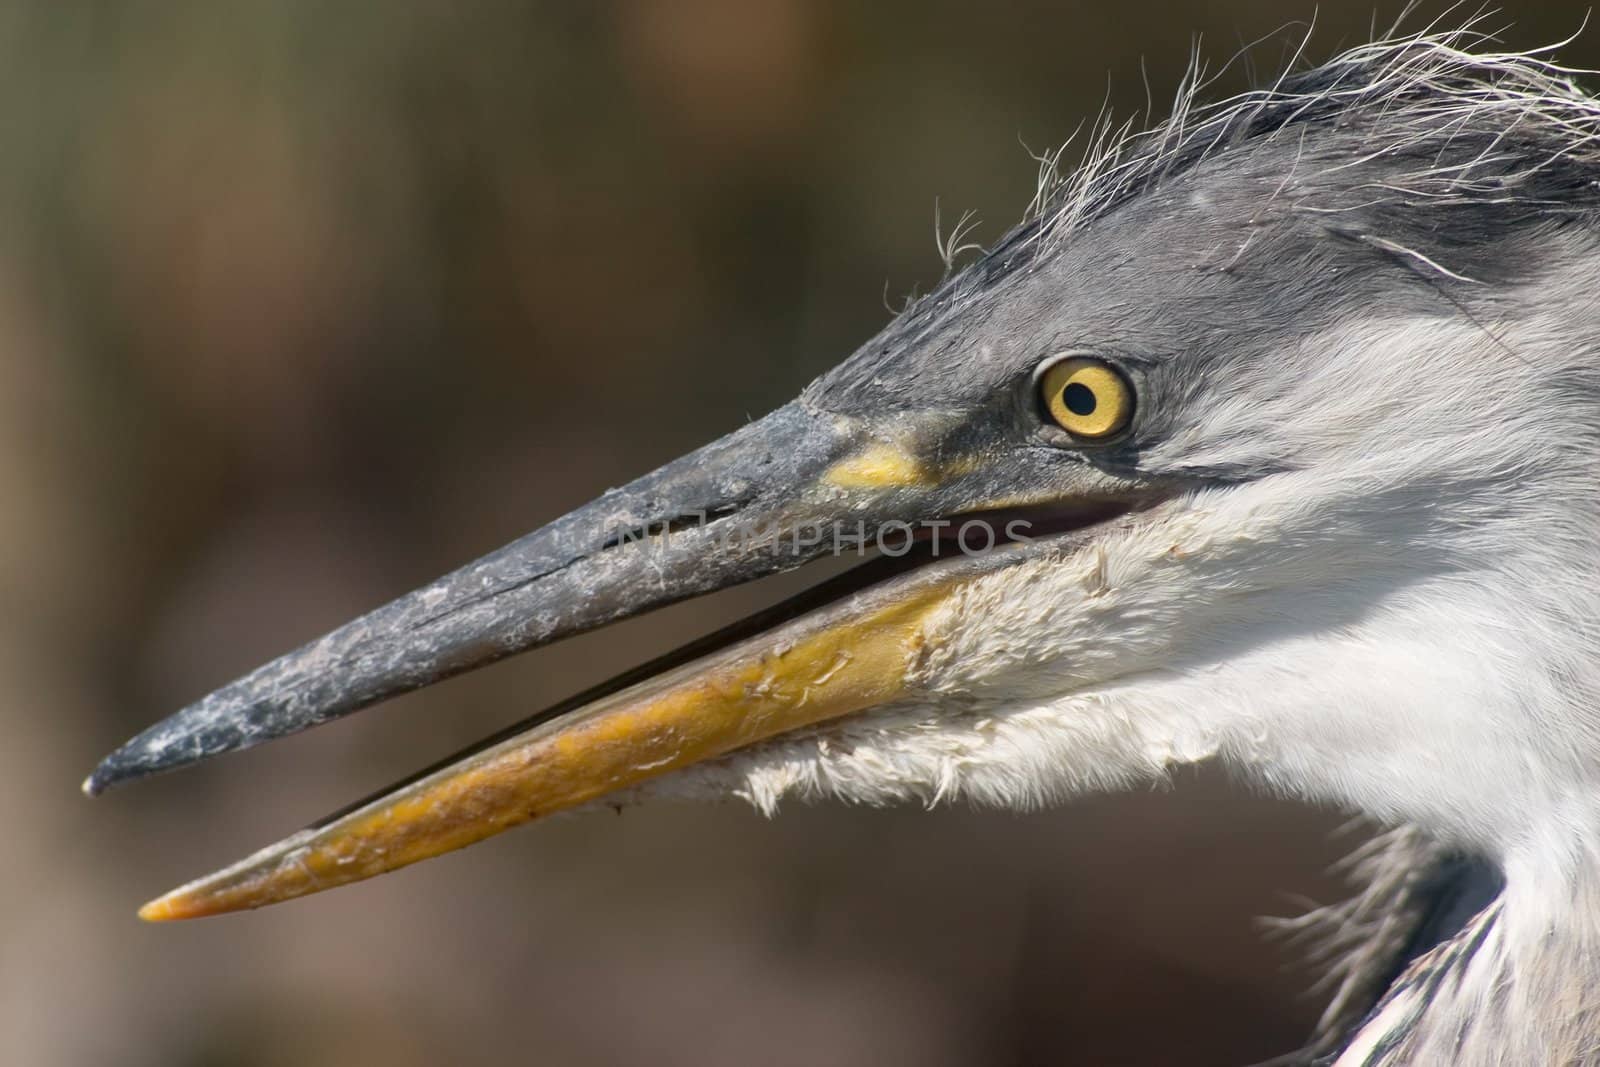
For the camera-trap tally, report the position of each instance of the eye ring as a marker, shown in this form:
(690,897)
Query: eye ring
(1087,397)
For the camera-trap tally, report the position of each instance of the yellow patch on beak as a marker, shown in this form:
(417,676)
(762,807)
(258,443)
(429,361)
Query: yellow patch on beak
(879,466)
(843,659)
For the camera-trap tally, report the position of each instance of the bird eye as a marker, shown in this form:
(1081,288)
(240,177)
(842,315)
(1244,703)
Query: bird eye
(1088,398)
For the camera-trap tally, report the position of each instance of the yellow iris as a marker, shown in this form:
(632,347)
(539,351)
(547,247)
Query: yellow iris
(1087,397)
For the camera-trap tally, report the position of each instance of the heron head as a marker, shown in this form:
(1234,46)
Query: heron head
(1269,439)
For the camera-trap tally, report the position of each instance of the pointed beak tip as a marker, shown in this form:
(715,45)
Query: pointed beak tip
(172,907)
(136,759)
(110,771)
(156,911)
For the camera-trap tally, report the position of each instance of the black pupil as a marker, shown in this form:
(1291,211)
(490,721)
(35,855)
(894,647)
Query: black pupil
(1078,398)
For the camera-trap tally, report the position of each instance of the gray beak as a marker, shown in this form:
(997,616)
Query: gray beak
(733,511)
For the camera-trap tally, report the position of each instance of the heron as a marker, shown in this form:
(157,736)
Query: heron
(1270,439)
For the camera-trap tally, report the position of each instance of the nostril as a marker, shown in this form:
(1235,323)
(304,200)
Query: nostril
(671,524)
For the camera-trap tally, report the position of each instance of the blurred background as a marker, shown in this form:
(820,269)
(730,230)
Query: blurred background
(302,304)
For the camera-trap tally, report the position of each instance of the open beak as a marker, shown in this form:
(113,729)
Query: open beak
(774,494)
